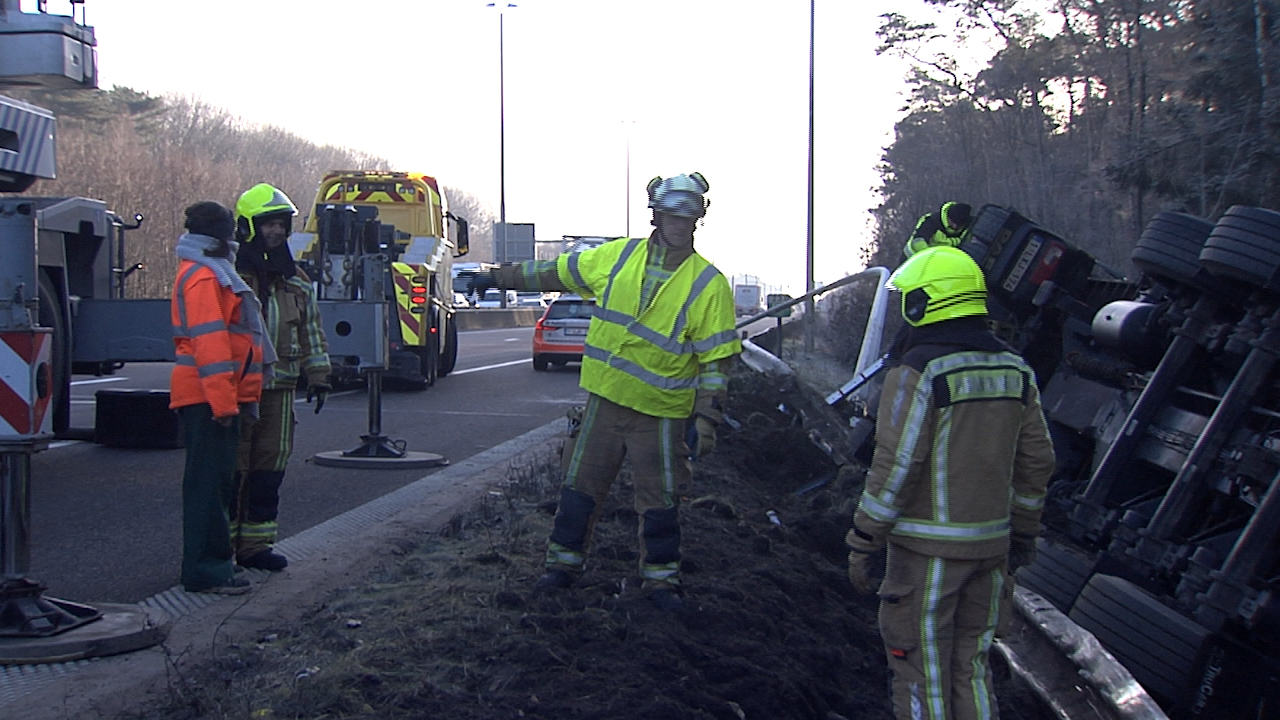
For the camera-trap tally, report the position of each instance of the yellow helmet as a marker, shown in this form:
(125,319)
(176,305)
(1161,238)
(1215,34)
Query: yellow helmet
(259,202)
(940,283)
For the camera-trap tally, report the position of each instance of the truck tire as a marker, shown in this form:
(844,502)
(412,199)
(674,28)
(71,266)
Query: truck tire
(449,358)
(50,316)
(539,363)
(1245,245)
(1169,248)
(1155,643)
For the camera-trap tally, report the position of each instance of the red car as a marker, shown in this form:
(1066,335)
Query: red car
(560,333)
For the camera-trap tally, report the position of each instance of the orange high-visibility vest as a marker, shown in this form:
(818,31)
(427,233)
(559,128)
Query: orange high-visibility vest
(218,362)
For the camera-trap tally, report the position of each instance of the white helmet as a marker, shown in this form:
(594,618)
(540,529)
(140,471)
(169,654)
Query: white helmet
(680,195)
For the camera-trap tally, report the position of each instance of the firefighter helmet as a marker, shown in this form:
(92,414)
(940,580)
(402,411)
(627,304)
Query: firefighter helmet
(680,195)
(258,203)
(940,283)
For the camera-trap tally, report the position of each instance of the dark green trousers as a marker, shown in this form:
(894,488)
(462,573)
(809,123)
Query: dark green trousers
(208,484)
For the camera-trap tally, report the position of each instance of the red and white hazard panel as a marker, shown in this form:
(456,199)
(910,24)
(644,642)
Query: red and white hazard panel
(26,382)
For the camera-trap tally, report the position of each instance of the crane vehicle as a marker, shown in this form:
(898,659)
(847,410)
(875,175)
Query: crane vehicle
(61,306)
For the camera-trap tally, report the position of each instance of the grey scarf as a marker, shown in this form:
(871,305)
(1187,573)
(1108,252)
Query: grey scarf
(192,246)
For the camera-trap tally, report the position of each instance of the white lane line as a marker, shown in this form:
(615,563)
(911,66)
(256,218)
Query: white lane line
(489,367)
(98,380)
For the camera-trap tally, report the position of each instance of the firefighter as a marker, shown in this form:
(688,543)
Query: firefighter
(654,371)
(944,227)
(955,490)
(264,218)
(221,353)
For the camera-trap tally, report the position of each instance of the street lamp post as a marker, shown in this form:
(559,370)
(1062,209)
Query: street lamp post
(626,126)
(501,251)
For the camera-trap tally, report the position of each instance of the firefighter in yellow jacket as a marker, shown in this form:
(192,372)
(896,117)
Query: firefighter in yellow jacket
(653,370)
(943,228)
(264,217)
(956,488)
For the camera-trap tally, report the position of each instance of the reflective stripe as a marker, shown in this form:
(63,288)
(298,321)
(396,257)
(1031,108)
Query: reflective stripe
(179,289)
(227,366)
(1028,502)
(647,377)
(665,572)
(575,272)
(931,654)
(905,450)
(669,343)
(700,284)
(877,510)
(965,532)
(194,331)
(942,467)
(185,360)
(617,268)
(558,554)
(978,682)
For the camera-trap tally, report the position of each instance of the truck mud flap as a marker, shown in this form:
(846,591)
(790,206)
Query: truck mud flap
(1058,574)
(1156,644)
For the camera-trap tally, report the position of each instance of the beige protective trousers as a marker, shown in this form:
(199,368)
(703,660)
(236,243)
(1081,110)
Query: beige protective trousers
(937,619)
(656,450)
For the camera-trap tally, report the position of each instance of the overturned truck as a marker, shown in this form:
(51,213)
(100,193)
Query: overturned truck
(1162,530)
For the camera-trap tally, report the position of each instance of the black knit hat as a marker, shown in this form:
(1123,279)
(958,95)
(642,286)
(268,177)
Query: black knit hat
(210,218)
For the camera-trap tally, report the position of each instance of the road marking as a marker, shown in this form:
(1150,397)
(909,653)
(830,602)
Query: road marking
(489,367)
(98,380)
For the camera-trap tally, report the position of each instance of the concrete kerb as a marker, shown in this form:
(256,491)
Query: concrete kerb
(339,553)
(494,318)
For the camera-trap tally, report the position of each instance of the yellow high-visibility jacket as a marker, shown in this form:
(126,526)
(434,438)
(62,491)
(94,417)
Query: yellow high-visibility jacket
(648,358)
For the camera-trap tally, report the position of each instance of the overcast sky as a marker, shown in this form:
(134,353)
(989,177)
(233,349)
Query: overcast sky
(716,86)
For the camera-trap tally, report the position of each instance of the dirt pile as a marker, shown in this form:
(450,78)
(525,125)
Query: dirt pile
(771,628)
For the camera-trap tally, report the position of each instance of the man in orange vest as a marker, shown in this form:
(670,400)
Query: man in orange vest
(221,354)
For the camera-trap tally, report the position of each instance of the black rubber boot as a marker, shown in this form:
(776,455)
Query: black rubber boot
(265,560)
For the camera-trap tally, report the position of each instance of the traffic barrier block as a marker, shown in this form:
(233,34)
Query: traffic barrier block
(136,419)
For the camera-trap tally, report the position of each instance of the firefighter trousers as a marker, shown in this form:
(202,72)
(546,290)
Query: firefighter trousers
(208,484)
(658,457)
(265,446)
(938,618)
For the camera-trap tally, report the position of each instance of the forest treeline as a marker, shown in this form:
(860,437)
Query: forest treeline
(155,155)
(1090,116)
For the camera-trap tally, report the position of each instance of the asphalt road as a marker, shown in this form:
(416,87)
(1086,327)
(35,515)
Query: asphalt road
(106,522)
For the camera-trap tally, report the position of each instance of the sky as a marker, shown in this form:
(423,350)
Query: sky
(596,97)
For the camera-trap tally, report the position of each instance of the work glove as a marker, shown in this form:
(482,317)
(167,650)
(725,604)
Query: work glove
(480,282)
(861,549)
(1022,551)
(318,392)
(700,436)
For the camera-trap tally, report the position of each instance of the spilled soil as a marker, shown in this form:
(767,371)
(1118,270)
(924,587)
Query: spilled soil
(771,628)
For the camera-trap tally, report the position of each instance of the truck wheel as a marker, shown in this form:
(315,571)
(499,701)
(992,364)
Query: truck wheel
(1169,249)
(50,315)
(1245,245)
(1155,643)
(449,358)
